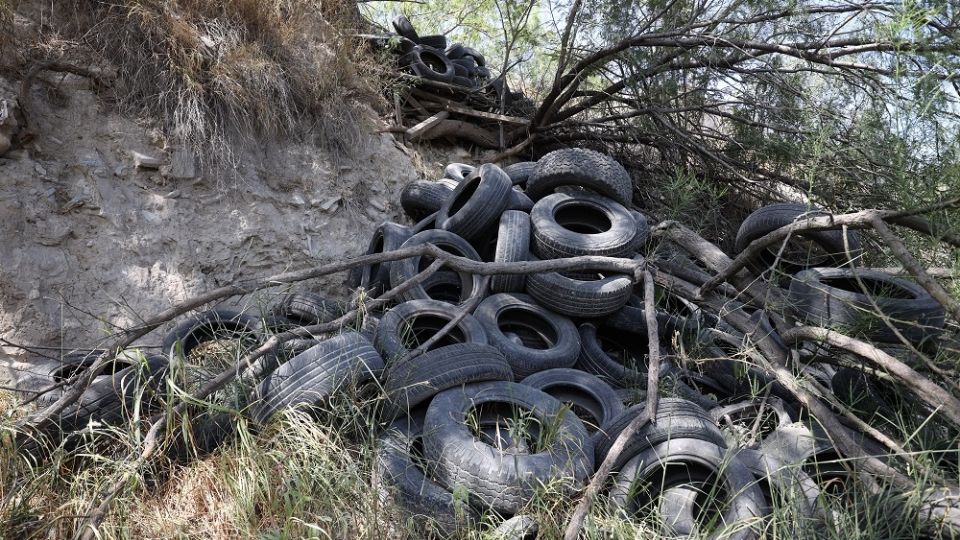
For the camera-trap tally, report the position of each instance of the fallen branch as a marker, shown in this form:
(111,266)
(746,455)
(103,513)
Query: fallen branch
(933,395)
(647,415)
(913,266)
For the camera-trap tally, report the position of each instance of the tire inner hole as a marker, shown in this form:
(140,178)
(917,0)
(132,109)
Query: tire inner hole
(631,354)
(875,287)
(433,62)
(507,427)
(581,217)
(377,248)
(460,199)
(708,504)
(444,286)
(584,405)
(423,327)
(532,331)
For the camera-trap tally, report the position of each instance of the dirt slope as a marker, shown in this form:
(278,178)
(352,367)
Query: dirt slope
(91,241)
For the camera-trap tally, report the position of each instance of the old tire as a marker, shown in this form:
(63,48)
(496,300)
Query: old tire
(530,337)
(832,297)
(567,225)
(580,167)
(405,269)
(477,203)
(414,381)
(315,375)
(492,478)
(412,323)
(421,198)
(580,297)
(591,399)
(513,245)
(388,236)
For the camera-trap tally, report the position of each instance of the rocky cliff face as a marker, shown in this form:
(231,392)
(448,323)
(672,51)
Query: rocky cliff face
(102,225)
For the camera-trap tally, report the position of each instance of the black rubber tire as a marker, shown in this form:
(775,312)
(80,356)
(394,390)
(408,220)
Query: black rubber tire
(309,308)
(580,167)
(477,203)
(109,401)
(213,324)
(388,236)
(436,41)
(455,51)
(566,225)
(475,54)
(483,73)
(643,231)
(746,411)
(444,286)
(405,269)
(519,201)
(832,297)
(43,375)
(422,319)
(577,297)
(428,63)
(604,350)
(310,377)
(676,418)
(403,484)
(422,198)
(541,339)
(591,399)
(460,71)
(206,432)
(780,482)
(492,478)
(691,460)
(468,62)
(404,27)
(412,382)
(458,172)
(520,172)
(770,218)
(513,245)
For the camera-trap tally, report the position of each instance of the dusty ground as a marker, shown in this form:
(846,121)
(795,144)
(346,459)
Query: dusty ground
(90,241)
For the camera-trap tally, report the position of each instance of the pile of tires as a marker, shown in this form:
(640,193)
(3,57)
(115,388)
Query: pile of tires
(540,373)
(430,57)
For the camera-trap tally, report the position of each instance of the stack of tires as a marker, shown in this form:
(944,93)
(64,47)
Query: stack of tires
(429,57)
(538,374)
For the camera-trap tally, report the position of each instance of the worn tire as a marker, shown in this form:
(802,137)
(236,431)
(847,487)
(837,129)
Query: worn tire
(681,461)
(519,201)
(421,198)
(770,218)
(309,308)
(780,482)
(513,245)
(455,51)
(606,353)
(388,236)
(592,400)
(403,484)
(522,527)
(316,374)
(520,172)
(436,41)
(218,323)
(414,381)
(566,225)
(428,63)
(676,418)
(458,172)
(477,203)
(580,167)
(404,27)
(832,297)
(539,339)
(444,286)
(469,52)
(405,269)
(746,412)
(579,297)
(492,478)
(423,319)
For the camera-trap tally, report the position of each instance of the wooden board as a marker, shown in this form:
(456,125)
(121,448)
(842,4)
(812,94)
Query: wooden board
(422,128)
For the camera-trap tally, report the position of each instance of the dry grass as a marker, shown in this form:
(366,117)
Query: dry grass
(218,73)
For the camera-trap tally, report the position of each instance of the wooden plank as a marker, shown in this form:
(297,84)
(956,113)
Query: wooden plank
(396,109)
(422,128)
(452,106)
(413,101)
